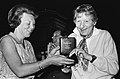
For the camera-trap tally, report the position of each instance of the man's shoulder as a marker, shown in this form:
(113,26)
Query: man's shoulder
(105,32)
(72,35)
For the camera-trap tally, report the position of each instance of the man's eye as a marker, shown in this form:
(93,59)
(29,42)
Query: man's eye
(79,17)
(86,21)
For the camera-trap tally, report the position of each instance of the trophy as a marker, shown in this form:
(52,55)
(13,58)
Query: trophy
(67,44)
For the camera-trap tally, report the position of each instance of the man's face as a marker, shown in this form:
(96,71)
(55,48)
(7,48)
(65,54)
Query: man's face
(84,23)
(27,24)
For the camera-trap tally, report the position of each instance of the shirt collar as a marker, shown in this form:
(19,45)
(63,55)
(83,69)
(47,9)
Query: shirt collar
(95,31)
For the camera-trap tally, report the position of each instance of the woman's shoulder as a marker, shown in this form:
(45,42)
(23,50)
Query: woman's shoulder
(5,38)
(6,41)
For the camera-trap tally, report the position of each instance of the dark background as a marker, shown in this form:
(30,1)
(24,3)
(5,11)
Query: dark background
(58,14)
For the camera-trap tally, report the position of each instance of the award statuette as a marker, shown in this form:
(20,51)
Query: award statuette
(67,44)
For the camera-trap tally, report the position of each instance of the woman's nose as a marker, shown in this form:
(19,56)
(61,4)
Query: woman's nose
(32,26)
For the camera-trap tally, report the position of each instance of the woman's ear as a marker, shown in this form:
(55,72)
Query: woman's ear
(94,23)
(74,20)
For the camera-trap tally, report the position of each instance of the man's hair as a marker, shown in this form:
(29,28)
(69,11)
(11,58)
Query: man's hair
(14,14)
(87,8)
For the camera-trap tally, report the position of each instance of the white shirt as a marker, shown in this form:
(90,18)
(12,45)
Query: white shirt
(101,45)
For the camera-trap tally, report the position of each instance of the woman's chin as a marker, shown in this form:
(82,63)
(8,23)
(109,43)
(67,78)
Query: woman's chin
(28,35)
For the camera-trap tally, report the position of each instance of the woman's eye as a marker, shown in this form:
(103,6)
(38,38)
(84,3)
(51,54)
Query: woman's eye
(78,21)
(34,25)
(79,17)
(28,24)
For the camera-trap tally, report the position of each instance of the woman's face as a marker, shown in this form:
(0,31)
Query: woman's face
(84,23)
(27,24)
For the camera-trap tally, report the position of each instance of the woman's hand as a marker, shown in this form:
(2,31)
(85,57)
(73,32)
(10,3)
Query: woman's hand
(54,50)
(59,60)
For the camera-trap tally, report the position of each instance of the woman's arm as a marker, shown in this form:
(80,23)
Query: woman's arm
(13,60)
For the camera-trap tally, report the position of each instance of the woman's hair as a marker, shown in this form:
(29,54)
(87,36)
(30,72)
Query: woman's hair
(87,8)
(14,14)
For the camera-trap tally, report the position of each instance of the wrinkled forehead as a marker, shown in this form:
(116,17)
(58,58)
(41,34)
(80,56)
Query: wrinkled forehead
(28,17)
(84,15)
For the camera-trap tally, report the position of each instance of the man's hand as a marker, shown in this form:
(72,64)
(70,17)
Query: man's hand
(81,53)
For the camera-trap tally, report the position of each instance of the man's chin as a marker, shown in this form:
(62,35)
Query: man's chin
(84,33)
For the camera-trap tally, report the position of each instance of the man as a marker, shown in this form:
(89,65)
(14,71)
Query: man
(96,50)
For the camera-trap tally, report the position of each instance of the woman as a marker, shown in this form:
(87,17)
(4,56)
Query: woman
(17,58)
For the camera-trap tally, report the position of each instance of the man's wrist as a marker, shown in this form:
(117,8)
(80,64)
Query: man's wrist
(93,58)
(89,57)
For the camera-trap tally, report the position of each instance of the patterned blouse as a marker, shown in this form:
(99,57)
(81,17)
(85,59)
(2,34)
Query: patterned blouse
(26,54)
